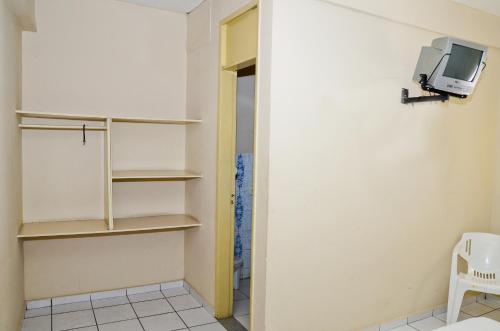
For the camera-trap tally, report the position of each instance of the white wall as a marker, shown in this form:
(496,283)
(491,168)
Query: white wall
(11,256)
(110,58)
(245,113)
(367,196)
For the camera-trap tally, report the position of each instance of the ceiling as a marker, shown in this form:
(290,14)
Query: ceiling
(489,6)
(182,6)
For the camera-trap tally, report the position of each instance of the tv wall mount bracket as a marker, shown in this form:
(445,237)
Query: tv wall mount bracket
(439,96)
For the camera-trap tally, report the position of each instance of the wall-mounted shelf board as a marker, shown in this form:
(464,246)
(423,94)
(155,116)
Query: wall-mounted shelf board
(154,223)
(48,229)
(99,118)
(147,175)
(61,127)
(154,120)
(85,228)
(31,114)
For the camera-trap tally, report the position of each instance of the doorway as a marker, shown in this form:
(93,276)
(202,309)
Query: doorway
(245,118)
(235,150)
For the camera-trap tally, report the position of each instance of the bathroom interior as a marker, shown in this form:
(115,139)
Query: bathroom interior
(245,117)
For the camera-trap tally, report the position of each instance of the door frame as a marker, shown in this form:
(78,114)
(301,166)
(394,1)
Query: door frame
(226,154)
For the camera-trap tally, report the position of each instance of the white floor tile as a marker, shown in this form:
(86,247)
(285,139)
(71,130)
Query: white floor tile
(39,304)
(154,307)
(108,294)
(476,309)
(209,327)
(69,307)
(90,328)
(245,286)
(114,314)
(73,320)
(461,316)
(393,324)
(244,320)
(37,324)
(241,307)
(428,324)
(70,299)
(145,296)
(491,301)
(143,289)
(172,292)
(37,312)
(183,302)
(174,284)
(238,295)
(109,302)
(404,328)
(195,317)
(165,322)
(420,316)
(130,325)
(494,315)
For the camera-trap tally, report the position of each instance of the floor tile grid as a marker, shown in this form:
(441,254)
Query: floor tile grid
(137,316)
(468,316)
(175,310)
(130,303)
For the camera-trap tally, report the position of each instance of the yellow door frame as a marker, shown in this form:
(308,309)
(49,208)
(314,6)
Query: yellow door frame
(238,50)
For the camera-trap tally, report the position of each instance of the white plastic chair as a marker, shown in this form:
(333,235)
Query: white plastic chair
(482,253)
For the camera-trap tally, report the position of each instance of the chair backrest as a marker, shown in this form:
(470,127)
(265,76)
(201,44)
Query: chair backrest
(482,253)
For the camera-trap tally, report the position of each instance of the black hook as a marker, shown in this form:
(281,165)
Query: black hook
(84,138)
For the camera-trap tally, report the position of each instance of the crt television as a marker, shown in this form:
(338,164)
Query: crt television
(451,66)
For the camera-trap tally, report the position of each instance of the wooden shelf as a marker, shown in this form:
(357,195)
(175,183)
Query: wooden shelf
(61,127)
(148,175)
(31,114)
(100,118)
(85,228)
(54,229)
(154,223)
(154,120)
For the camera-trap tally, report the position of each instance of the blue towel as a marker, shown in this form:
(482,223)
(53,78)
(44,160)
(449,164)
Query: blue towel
(243,208)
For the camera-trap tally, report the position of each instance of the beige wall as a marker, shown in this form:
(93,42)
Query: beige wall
(203,59)
(367,196)
(112,58)
(11,256)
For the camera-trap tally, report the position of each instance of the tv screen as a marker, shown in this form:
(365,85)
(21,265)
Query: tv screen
(463,63)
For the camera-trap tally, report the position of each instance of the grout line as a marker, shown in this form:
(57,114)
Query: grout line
(138,319)
(127,319)
(175,311)
(93,313)
(121,304)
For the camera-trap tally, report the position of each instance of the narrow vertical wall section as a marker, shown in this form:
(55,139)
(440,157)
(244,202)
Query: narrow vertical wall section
(11,257)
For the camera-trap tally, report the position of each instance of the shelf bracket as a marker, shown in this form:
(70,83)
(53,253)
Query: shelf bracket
(406,99)
(440,96)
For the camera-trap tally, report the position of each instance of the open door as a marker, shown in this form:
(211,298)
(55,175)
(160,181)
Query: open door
(238,47)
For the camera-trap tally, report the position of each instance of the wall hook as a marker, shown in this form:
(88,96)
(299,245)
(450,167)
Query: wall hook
(84,138)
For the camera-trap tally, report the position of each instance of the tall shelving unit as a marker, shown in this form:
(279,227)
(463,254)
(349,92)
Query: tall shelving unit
(110,225)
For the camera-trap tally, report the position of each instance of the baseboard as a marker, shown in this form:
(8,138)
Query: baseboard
(438,310)
(34,304)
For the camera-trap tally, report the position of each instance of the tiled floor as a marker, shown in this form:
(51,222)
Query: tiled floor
(485,308)
(241,303)
(172,309)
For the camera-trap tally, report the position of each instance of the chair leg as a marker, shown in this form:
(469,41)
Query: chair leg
(455,304)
